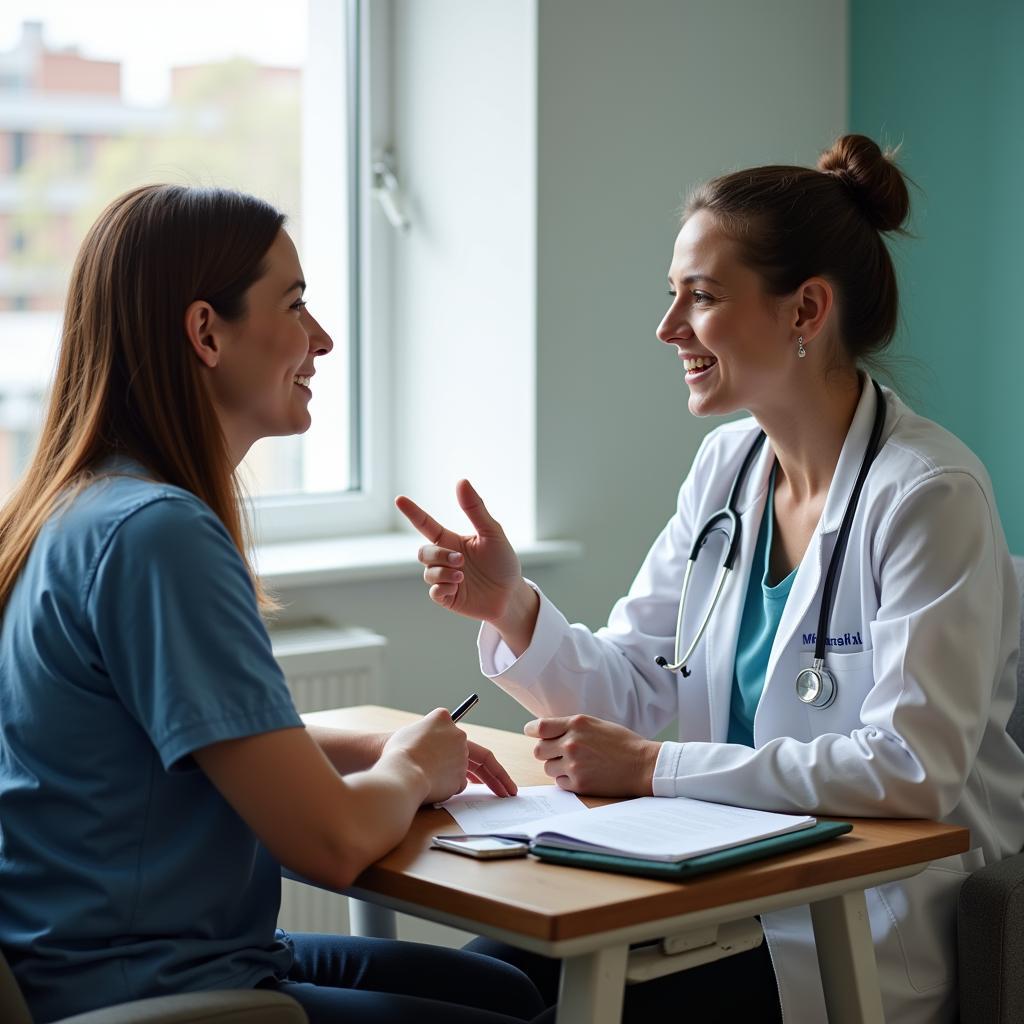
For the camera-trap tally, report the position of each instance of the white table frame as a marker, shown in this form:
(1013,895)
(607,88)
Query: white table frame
(594,965)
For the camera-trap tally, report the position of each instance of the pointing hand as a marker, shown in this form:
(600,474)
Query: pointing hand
(476,574)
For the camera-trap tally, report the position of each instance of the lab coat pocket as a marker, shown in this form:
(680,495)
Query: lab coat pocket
(854,677)
(922,911)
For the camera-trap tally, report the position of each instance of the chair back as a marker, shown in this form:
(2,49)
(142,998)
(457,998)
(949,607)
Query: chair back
(1015,726)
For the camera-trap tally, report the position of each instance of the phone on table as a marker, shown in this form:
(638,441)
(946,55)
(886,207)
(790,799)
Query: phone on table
(482,847)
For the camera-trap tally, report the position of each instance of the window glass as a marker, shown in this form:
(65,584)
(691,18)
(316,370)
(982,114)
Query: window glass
(96,98)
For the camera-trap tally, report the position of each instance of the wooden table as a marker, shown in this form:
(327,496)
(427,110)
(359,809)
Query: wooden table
(589,918)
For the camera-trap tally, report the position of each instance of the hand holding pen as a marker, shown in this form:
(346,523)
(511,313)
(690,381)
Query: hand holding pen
(446,758)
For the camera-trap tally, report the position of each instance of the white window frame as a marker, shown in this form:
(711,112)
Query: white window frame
(368,507)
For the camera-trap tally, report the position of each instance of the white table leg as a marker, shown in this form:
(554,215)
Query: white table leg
(846,957)
(370,920)
(591,987)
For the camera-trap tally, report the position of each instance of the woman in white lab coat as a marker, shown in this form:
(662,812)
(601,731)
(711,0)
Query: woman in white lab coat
(782,286)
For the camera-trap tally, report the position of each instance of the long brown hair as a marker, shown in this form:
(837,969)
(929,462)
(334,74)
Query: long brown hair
(792,223)
(127,382)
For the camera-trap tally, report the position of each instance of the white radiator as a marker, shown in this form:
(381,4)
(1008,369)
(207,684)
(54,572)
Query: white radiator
(326,667)
(330,666)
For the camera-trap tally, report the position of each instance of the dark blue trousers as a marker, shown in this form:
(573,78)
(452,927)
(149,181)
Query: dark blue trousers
(340,979)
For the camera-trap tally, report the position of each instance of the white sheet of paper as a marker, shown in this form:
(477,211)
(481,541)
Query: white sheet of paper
(479,811)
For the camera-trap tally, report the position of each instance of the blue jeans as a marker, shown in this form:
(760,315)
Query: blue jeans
(340,979)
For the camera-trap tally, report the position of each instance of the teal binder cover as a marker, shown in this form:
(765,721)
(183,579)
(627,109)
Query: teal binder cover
(681,870)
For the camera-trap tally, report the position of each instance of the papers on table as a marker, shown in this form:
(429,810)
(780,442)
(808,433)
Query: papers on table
(665,828)
(650,828)
(479,812)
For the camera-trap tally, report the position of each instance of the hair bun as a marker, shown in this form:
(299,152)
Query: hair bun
(876,184)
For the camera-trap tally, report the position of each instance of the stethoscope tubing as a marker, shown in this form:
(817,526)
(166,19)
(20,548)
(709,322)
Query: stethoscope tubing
(731,516)
(839,552)
(825,691)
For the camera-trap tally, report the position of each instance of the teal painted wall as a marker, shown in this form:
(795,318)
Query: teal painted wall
(946,80)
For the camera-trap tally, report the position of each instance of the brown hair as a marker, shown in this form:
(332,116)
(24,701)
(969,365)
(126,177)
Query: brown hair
(793,223)
(127,381)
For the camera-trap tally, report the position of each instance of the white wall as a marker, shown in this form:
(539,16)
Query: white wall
(638,102)
(547,146)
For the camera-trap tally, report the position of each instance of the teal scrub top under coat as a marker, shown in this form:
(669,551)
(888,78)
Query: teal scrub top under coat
(762,612)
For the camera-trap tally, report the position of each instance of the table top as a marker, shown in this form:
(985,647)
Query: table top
(551,902)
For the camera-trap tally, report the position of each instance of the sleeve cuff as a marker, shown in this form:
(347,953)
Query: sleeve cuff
(176,749)
(497,661)
(666,769)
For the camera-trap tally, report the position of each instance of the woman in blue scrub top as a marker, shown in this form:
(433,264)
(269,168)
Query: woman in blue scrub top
(782,292)
(154,773)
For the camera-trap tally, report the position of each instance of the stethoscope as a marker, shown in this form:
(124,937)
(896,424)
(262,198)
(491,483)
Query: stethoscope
(815,686)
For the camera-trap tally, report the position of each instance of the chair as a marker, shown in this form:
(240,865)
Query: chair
(234,1007)
(990,917)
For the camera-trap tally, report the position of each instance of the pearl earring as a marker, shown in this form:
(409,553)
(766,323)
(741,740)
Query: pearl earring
(801,351)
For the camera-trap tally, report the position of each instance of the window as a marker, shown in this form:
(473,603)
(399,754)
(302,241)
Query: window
(274,105)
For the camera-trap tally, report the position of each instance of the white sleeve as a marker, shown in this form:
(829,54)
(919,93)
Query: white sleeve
(609,673)
(937,640)
(569,670)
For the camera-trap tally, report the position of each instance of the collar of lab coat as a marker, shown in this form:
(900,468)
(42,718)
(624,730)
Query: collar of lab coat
(724,629)
(850,458)
(807,584)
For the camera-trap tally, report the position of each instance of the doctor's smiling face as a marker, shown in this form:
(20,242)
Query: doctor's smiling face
(737,343)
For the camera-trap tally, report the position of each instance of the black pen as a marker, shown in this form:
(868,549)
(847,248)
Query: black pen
(465,706)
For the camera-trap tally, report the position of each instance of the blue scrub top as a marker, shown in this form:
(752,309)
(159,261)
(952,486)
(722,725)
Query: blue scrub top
(762,612)
(131,639)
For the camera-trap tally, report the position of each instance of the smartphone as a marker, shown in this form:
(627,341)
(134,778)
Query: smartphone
(481,847)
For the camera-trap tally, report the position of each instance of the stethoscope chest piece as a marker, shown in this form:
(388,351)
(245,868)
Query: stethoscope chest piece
(815,686)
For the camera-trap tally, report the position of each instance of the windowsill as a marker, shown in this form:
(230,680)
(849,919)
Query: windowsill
(317,563)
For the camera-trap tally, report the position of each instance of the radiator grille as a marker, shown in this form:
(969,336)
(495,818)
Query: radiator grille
(329,666)
(326,667)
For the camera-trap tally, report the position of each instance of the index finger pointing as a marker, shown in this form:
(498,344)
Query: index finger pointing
(426,524)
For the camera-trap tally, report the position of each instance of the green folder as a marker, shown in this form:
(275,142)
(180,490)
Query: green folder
(681,870)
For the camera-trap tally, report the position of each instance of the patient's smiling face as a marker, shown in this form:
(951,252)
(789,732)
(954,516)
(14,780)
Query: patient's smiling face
(721,314)
(260,384)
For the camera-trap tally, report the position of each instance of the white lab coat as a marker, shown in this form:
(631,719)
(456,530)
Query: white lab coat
(925,624)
